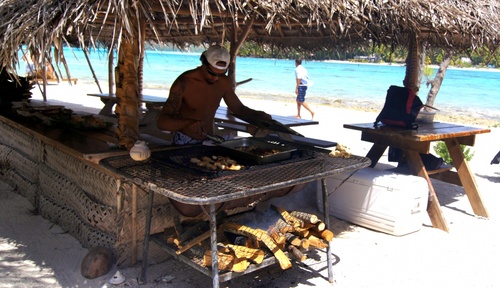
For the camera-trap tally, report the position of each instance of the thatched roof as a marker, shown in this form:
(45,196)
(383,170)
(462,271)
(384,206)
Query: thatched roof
(294,23)
(303,24)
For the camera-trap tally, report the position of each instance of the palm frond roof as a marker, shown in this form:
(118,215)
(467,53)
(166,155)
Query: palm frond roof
(303,24)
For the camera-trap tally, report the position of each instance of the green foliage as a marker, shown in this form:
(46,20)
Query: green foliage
(441,149)
(428,71)
(389,54)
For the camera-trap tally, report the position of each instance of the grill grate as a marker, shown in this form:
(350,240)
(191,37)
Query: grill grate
(191,186)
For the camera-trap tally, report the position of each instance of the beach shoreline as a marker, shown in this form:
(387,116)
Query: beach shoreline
(445,114)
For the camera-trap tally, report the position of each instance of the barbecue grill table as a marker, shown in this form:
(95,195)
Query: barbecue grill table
(158,175)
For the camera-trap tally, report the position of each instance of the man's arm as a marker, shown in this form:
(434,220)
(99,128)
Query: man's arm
(297,82)
(236,106)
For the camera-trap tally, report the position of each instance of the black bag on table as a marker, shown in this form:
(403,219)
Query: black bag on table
(401,108)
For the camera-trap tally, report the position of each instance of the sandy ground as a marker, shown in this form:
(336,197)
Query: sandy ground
(37,253)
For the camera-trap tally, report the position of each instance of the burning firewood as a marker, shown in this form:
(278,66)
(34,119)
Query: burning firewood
(262,236)
(233,257)
(225,261)
(295,222)
(242,252)
(193,242)
(283,227)
(294,232)
(319,225)
(292,239)
(277,236)
(175,241)
(299,256)
(306,217)
(317,242)
(301,232)
(325,234)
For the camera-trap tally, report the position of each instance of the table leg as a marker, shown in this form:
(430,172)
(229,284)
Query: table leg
(433,206)
(326,211)
(375,153)
(151,116)
(466,177)
(147,231)
(107,110)
(213,246)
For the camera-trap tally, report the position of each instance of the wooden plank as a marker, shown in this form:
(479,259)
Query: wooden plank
(148,99)
(375,153)
(433,207)
(421,147)
(441,169)
(223,115)
(56,81)
(468,140)
(466,177)
(426,132)
(448,177)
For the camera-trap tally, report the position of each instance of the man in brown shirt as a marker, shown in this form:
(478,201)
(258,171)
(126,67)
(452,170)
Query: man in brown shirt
(195,96)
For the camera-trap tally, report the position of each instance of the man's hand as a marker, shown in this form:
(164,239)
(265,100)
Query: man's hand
(195,130)
(263,115)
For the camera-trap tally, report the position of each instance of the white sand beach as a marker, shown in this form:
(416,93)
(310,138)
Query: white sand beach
(37,253)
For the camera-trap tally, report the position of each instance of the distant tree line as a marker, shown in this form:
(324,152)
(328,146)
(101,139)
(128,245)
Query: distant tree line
(481,57)
(478,58)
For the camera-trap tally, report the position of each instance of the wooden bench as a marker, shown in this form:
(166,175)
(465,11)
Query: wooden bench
(147,124)
(56,81)
(109,101)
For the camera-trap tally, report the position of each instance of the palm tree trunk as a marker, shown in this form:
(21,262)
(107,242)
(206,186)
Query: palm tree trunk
(413,65)
(438,80)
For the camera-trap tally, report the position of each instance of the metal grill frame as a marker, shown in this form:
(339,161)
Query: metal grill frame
(197,188)
(158,177)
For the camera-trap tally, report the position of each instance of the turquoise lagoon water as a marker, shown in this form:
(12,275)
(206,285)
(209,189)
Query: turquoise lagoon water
(463,91)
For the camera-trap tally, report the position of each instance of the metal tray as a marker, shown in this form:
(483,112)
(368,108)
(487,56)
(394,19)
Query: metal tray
(252,149)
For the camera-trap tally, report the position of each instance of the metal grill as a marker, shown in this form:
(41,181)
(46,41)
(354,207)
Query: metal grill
(164,174)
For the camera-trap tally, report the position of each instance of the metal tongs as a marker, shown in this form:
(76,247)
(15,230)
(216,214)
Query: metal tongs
(216,138)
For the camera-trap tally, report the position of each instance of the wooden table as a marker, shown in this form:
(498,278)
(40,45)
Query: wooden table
(223,120)
(414,142)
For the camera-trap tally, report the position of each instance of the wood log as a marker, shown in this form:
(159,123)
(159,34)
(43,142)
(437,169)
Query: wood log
(195,229)
(255,255)
(317,242)
(301,232)
(193,242)
(283,226)
(304,243)
(319,225)
(177,225)
(277,236)
(295,222)
(174,241)
(198,228)
(325,234)
(295,252)
(292,239)
(240,265)
(304,216)
(225,261)
(262,236)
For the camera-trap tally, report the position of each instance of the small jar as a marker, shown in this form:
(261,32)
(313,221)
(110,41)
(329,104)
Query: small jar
(140,151)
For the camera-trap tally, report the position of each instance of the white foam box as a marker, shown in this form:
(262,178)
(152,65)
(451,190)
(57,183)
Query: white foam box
(380,200)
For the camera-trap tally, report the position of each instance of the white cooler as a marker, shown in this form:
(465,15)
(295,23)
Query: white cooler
(379,200)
